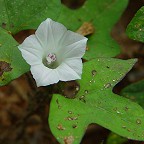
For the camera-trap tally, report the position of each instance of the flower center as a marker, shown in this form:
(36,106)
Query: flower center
(50,58)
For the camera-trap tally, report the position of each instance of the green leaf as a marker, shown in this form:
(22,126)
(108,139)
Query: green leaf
(103,15)
(135,28)
(17,15)
(12,65)
(96,103)
(135,92)
(115,139)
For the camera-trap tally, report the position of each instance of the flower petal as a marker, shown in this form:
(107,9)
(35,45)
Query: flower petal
(43,75)
(31,50)
(53,37)
(70,69)
(49,34)
(73,45)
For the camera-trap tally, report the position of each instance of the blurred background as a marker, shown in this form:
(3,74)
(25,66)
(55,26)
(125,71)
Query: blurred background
(24,108)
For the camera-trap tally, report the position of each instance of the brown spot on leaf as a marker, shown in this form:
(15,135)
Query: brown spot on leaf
(59,106)
(87,28)
(68,140)
(71,118)
(4,67)
(12,25)
(9,32)
(60,127)
(74,126)
(3,25)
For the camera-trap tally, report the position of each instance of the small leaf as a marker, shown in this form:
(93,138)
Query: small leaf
(135,92)
(115,139)
(96,103)
(135,29)
(12,65)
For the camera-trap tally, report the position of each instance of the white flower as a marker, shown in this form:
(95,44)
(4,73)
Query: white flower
(54,53)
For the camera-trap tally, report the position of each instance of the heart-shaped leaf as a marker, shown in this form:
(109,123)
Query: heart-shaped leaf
(135,28)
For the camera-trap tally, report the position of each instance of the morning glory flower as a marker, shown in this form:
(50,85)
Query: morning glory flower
(54,53)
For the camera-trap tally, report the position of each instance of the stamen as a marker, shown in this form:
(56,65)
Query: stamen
(50,58)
